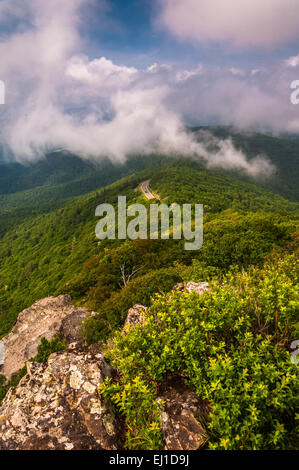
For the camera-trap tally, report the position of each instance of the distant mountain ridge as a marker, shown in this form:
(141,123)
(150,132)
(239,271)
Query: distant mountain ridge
(60,175)
(283,152)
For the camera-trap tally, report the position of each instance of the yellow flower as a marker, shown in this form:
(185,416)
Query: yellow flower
(224,442)
(154,425)
(214,385)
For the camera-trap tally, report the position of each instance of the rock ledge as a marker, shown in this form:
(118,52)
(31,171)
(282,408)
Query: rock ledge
(57,406)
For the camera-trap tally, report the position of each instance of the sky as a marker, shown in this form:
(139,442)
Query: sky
(120,77)
(142,38)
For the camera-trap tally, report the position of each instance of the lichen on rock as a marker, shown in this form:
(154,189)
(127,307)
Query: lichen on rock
(182,415)
(135,317)
(44,318)
(57,406)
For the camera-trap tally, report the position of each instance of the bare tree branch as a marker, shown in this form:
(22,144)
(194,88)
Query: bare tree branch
(127,277)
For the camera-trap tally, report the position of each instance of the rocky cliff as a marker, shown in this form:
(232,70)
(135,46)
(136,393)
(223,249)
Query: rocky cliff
(45,318)
(57,405)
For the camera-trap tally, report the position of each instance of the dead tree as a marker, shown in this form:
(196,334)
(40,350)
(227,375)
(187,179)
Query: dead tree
(127,277)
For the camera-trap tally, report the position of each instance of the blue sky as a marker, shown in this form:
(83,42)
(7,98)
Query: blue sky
(132,36)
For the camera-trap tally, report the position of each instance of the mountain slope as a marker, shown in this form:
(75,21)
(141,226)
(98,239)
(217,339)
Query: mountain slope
(282,152)
(61,175)
(57,251)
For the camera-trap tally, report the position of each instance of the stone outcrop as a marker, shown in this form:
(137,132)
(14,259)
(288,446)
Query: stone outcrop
(182,414)
(136,313)
(57,406)
(198,287)
(47,317)
(135,316)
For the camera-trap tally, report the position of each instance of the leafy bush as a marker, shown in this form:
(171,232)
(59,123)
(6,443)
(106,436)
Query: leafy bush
(46,348)
(198,271)
(115,308)
(232,344)
(13,382)
(136,400)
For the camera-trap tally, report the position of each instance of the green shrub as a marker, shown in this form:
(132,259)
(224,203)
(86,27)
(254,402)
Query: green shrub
(199,271)
(232,344)
(13,382)
(138,291)
(136,400)
(46,348)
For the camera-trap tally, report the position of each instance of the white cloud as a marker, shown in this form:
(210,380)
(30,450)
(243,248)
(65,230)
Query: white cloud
(228,157)
(100,72)
(236,71)
(293,61)
(259,100)
(186,74)
(58,97)
(238,22)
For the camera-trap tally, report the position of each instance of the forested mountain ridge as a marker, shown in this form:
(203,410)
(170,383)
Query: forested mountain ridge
(283,152)
(61,175)
(46,254)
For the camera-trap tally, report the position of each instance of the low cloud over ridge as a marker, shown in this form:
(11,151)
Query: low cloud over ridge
(58,97)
